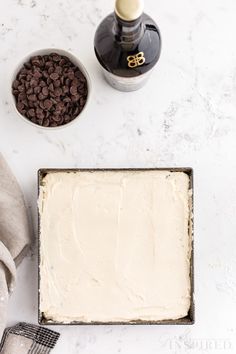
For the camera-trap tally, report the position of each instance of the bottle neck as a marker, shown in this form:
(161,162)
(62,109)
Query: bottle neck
(128,31)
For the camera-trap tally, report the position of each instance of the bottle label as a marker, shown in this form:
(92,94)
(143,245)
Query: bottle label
(126,83)
(136,60)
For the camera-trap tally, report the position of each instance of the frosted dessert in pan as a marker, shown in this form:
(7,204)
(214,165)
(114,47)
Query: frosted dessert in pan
(115,246)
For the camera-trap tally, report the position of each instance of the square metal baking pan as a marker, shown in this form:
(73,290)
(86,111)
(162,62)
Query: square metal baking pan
(190,318)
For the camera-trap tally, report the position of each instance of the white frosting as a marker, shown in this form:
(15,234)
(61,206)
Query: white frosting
(115,246)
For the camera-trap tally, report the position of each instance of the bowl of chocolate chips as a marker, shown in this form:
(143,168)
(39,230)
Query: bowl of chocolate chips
(50,88)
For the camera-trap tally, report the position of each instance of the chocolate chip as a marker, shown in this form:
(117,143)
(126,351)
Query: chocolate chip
(48,64)
(51,87)
(20,106)
(27,65)
(51,70)
(35,61)
(49,81)
(57,83)
(62,62)
(73,90)
(53,101)
(33,82)
(75,98)
(42,83)
(21,96)
(46,122)
(67,118)
(76,111)
(41,96)
(31,112)
(53,124)
(37,75)
(21,88)
(75,82)
(82,101)
(56,118)
(34,120)
(59,107)
(55,57)
(71,75)
(37,90)
(78,74)
(15,84)
(48,104)
(45,91)
(30,91)
(54,76)
(67,99)
(39,112)
(25,102)
(41,105)
(58,91)
(32,98)
(40,121)
(45,74)
(65,89)
(58,70)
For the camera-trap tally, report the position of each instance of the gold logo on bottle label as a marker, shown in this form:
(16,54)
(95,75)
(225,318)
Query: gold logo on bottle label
(136,60)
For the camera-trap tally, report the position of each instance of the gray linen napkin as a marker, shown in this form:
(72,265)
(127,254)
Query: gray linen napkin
(14,241)
(14,235)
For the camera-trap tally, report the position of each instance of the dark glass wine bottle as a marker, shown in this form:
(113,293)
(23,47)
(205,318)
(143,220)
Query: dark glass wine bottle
(127,45)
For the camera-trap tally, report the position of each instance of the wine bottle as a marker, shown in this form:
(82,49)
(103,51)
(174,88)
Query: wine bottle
(127,45)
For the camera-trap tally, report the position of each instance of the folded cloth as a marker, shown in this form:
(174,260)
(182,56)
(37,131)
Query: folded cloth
(14,228)
(28,339)
(14,235)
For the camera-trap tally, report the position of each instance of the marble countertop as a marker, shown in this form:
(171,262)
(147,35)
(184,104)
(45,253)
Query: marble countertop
(184,116)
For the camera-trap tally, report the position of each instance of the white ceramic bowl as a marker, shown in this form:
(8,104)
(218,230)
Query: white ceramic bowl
(74,60)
